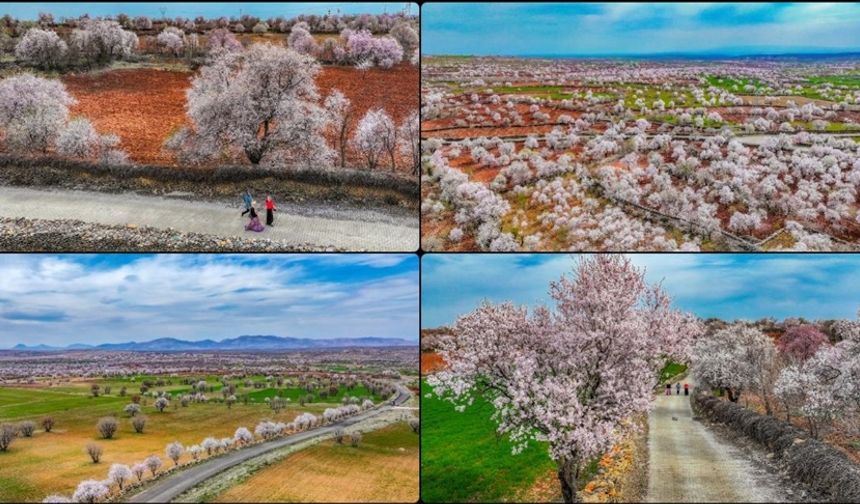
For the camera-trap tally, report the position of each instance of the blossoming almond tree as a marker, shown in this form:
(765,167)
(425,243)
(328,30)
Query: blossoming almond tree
(263,101)
(737,358)
(572,376)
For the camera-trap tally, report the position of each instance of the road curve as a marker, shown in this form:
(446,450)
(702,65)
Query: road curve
(689,463)
(169,488)
(362,230)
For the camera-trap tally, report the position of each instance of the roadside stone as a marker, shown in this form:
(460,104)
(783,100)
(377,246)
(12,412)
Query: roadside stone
(43,235)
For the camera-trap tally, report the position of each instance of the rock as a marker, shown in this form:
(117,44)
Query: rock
(26,235)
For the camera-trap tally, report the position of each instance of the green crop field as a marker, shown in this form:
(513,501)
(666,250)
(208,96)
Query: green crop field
(463,460)
(294,393)
(734,85)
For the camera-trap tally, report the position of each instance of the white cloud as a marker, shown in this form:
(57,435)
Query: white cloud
(204,296)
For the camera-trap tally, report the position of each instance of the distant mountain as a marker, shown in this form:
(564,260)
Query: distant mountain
(248,342)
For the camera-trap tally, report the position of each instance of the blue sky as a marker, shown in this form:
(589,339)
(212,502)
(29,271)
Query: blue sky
(99,298)
(730,286)
(638,28)
(194,9)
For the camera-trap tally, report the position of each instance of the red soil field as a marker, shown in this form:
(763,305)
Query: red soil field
(431,362)
(142,106)
(145,106)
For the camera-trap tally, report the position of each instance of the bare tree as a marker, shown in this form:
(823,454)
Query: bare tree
(139,423)
(8,433)
(26,428)
(107,427)
(339,111)
(48,423)
(95,452)
(409,140)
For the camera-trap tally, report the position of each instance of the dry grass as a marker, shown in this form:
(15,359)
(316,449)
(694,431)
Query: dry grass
(383,469)
(56,462)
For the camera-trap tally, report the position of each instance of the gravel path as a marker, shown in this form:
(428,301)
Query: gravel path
(689,463)
(169,488)
(363,231)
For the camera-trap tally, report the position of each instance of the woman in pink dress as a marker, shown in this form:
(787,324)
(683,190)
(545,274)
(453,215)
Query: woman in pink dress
(254,224)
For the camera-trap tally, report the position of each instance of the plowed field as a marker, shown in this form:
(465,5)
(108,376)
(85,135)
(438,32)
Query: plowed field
(144,106)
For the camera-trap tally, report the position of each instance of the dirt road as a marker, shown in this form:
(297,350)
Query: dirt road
(356,230)
(689,463)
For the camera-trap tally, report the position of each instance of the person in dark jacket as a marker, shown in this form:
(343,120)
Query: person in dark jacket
(247,199)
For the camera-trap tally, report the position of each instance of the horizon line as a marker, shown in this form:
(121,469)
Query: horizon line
(708,54)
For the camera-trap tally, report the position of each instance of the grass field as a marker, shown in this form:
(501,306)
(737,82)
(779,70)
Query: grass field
(734,85)
(294,394)
(463,460)
(383,469)
(56,462)
(551,92)
(672,369)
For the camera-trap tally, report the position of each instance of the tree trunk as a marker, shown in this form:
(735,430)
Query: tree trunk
(254,155)
(733,396)
(568,473)
(343,136)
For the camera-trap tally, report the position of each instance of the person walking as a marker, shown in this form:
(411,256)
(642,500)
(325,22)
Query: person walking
(668,389)
(247,199)
(678,388)
(270,210)
(686,389)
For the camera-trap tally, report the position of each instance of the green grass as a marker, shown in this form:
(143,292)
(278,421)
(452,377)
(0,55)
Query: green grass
(651,94)
(552,92)
(671,369)
(294,393)
(729,83)
(670,119)
(21,403)
(463,460)
(835,127)
(851,81)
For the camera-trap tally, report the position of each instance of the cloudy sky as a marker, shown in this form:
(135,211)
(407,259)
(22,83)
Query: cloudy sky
(99,298)
(29,10)
(638,28)
(730,286)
